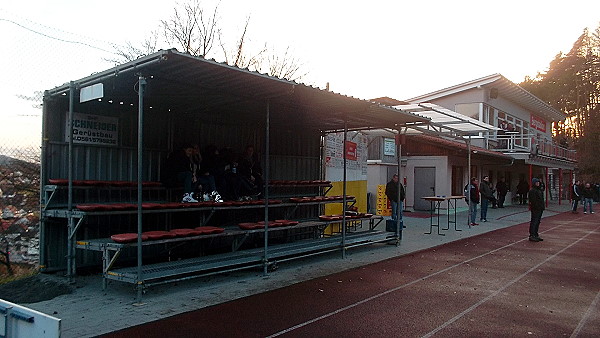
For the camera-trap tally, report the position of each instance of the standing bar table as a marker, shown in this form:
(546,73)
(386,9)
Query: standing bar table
(435,202)
(452,201)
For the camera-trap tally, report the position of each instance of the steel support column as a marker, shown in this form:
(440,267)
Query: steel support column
(547,184)
(70,226)
(266,186)
(559,185)
(344,191)
(140,148)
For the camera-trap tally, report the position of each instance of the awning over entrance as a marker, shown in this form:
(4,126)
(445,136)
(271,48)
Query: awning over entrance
(442,122)
(446,121)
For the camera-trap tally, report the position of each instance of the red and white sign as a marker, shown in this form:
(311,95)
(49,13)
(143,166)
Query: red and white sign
(351,151)
(538,123)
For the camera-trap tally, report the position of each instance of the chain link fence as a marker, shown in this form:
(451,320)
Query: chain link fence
(19,204)
(41,57)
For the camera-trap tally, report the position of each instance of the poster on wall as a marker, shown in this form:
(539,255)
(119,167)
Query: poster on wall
(356,156)
(93,129)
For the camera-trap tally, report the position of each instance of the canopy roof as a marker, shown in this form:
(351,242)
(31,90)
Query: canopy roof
(445,120)
(180,83)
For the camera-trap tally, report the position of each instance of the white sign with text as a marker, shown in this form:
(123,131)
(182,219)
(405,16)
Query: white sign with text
(94,129)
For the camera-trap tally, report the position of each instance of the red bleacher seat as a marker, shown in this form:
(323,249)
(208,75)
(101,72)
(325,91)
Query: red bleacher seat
(205,230)
(154,235)
(123,206)
(286,222)
(127,237)
(185,232)
(93,207)
(250,226)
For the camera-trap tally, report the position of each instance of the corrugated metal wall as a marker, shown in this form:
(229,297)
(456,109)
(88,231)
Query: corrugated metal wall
(295,155)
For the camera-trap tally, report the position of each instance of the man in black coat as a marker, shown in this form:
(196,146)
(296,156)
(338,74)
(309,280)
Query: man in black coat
(502,189)
(391,191)
(575,195)
(536,206)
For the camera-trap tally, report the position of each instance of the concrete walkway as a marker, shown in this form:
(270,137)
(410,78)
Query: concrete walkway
(90,311)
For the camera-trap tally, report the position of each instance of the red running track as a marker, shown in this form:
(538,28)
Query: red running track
(496,284)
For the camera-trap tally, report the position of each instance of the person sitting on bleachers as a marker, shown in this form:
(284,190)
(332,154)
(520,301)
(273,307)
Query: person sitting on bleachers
(183,169)
(250,172)
(204,179)
(180,169)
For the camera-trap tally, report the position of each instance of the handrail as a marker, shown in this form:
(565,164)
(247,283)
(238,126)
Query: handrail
(527,143)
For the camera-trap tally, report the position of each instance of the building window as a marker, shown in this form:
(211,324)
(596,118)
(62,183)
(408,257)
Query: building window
(523,136)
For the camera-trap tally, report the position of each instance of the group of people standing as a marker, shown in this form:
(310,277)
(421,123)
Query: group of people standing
(476,193)
(213,174)
(584,193)
(483,193)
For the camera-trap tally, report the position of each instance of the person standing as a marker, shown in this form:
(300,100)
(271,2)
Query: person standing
(472,197)
(536,206)
(391,191)
(575,196)
(588,198)
(522,190)
(486,195)
(502,189)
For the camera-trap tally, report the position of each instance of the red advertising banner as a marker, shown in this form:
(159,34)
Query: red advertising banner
(537,123)
(351,151)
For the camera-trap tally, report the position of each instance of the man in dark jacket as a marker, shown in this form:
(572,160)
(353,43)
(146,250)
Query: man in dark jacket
(536,206)
(486,196)
(575,196)
(502,189)
(391,191)
(522,190)
(472,197)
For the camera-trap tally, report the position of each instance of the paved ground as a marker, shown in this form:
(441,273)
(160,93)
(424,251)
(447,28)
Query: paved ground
(497,284)
(90,311)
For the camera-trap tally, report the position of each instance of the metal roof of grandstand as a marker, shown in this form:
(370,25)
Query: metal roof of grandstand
(179,83)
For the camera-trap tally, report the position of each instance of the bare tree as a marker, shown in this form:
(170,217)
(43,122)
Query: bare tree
(238,56)
(192,29)
(269,61)
(285,66)
(129,52)
(195,30)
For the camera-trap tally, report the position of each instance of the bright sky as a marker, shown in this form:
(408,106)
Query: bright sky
(364,49)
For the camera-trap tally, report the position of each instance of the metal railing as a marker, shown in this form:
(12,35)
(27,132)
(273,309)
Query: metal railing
(514,142)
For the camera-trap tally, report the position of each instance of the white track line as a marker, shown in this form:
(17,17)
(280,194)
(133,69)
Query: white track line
(384,293)
(476,305)
(586,316)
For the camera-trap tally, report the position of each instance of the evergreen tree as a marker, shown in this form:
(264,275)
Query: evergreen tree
(572,85)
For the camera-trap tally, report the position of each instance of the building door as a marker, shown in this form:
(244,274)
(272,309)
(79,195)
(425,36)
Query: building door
(458,178)
(424,186)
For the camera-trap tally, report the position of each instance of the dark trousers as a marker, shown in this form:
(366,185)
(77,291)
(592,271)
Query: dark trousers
(207,182)
(501,198)
(185,178)
(534,225)
(575,204)
(523,198)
